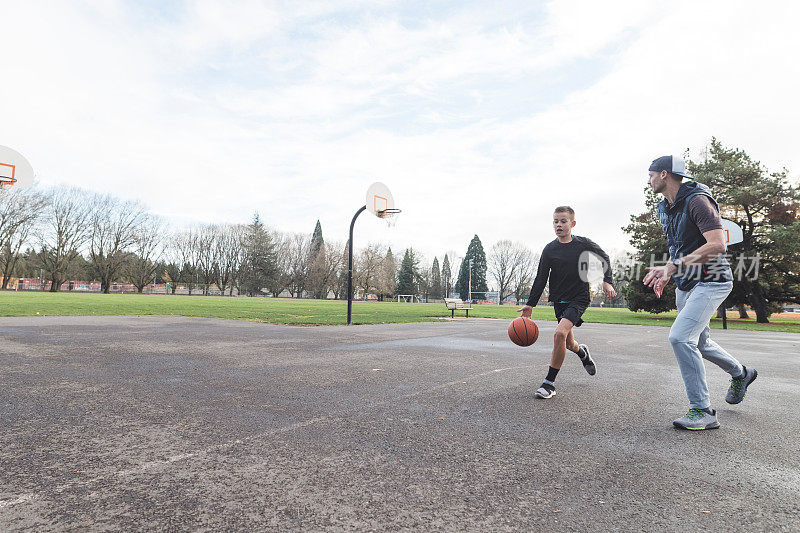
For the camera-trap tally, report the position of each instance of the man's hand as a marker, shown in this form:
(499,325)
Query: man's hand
(526,311)
(658,277)
(658,288)
(608,289)
(657,273)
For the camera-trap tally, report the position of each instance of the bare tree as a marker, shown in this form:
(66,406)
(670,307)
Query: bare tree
(522,281)
(206,252)
(19,212)
(279,282)
(299,263)
(339,283)
(198,255)
(65,230)
(368,268)
(505,259)
(422,276)
(186,253)
(229,253)
(114,224)
(336,263)
(146,251)
(172,260)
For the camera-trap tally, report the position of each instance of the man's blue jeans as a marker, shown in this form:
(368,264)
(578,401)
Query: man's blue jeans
(691,340)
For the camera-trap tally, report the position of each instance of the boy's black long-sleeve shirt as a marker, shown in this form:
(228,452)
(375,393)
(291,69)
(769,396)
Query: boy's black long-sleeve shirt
(560,262)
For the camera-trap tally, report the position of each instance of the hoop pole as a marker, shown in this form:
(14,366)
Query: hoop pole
(350,266)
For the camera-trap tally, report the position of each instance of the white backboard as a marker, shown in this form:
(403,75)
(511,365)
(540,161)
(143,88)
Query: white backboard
(733,232)
(15,171)
(379,198)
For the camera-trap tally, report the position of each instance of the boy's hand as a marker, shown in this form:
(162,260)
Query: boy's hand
(608,289)
(526,311)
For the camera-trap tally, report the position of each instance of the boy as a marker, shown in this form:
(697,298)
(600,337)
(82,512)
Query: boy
(569,293)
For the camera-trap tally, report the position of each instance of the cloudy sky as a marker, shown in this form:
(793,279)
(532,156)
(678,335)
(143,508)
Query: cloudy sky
(480,117)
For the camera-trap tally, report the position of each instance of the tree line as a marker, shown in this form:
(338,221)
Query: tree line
(67,234)
(72,234)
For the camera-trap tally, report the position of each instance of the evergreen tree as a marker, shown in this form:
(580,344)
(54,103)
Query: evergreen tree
(318,267)
(478,256)
(260,262)
(408,274)
(189,276)
(172,274)
(436,280)
(316,240)
(462,289)
(447,277)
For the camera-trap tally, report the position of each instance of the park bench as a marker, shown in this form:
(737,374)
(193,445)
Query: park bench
(456,304)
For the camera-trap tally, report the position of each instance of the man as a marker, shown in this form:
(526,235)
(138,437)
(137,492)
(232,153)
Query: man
(569,292)
(690,218)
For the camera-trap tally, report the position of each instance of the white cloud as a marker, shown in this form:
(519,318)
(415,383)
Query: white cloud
(206,25)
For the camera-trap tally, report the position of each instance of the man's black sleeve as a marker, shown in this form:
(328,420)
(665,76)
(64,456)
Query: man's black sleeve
(541,279)
(592,246)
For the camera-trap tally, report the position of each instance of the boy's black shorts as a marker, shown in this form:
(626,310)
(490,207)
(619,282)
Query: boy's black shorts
(572,311)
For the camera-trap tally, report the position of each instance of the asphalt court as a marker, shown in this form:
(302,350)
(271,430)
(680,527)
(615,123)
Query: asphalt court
(173,423)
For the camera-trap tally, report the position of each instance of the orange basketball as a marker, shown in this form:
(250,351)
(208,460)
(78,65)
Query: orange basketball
(523,331)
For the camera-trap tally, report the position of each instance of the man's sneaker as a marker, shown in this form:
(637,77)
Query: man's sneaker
(545,391)
(696,420)
(586,359)
(738,387)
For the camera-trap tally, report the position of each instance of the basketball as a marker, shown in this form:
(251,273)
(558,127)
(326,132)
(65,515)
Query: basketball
(523,331)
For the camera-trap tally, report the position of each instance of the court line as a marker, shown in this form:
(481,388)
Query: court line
(19,499)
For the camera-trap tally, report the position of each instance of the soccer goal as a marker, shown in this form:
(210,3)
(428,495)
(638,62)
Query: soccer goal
(408,298)
(490,296)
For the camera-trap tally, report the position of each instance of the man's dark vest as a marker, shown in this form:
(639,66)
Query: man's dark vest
(684,237)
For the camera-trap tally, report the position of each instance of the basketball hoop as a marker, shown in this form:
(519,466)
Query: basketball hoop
(379,202)
(389,215)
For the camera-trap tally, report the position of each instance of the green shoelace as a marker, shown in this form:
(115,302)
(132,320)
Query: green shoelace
(695,414)
(737,384)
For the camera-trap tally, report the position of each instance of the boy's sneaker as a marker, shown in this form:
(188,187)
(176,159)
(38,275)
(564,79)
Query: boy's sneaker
(738,387)
(696,420)
(586,359)
(545,391)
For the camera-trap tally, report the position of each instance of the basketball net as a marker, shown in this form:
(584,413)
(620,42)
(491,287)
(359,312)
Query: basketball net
(390,216)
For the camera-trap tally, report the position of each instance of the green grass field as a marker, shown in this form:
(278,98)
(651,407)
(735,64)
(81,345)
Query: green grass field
(310,312)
